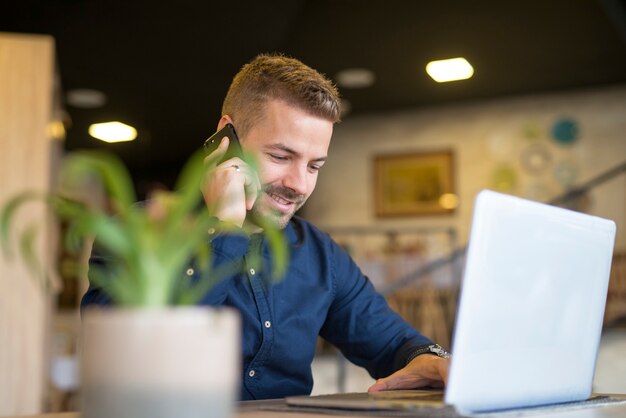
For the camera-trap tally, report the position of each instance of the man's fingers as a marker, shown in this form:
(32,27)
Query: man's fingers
(222,147)
(380,385)
(251,182)
(251,195)
(403,381)
(232,186)
(215,156)
(253,189)
(252,186)
(398,380)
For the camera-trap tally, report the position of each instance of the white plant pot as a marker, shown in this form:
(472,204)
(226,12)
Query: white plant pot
(169,363)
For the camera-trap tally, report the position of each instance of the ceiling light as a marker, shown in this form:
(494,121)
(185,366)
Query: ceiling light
(355,78)
(449,70)
(86,98)
(113,132)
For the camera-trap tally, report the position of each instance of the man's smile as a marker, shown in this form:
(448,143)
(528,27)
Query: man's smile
(283,199)
(280,199)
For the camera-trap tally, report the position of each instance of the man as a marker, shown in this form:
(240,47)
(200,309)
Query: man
(284,114)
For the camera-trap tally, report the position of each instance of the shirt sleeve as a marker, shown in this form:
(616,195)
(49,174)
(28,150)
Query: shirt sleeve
(361,323)
(95,295)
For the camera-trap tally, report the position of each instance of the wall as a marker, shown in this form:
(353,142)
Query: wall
(483,136)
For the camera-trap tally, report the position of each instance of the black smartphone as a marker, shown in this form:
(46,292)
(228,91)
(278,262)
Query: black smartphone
(234,147)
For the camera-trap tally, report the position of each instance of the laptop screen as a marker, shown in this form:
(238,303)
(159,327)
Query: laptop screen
(532,303)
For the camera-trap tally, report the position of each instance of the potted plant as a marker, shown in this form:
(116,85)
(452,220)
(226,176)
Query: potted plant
(155,354)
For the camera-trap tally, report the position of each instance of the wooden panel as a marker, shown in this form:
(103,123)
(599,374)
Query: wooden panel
(26,86)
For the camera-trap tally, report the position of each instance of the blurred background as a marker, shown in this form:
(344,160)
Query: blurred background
(542,116)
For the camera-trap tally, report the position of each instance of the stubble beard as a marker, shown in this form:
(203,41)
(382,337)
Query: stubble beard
(278,217)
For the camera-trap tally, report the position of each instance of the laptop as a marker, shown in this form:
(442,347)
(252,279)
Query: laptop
(530,312)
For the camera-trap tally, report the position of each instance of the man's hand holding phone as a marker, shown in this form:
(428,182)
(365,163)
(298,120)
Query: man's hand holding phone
(232,186)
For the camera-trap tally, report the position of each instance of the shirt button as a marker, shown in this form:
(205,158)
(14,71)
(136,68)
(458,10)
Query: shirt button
(251,373)
(211,231)
(252,272)
(268,324)
(190,272)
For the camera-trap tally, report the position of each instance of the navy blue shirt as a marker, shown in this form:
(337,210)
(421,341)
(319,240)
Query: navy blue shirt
(323,293)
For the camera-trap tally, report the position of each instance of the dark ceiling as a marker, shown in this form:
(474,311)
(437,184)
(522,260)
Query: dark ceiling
(165,66)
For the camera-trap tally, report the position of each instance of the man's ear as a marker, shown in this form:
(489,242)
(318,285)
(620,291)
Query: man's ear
(223,121)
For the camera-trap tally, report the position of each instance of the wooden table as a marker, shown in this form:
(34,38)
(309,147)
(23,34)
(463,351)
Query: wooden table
(250,410)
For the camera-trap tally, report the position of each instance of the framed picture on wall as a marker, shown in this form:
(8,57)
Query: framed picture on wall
(415,184)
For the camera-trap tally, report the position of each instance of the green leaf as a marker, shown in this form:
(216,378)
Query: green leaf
(278,247)
(27,247)
(8,212)
(114,176)
(147,254)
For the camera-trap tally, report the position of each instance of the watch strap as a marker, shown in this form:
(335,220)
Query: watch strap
(434,349)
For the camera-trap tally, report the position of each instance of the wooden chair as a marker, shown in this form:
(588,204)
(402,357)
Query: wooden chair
(616,297)
(428,308)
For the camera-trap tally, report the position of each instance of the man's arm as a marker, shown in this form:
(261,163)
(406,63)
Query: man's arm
(361,324)
(95,295)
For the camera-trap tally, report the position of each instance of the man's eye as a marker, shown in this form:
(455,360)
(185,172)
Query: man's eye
(278,157)
(315,167)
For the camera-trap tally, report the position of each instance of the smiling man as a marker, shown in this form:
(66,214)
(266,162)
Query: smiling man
(284,113)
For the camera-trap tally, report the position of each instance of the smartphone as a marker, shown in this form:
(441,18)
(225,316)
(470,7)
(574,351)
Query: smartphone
(234,147)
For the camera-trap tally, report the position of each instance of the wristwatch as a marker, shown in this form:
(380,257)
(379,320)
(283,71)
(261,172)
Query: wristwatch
(435,349)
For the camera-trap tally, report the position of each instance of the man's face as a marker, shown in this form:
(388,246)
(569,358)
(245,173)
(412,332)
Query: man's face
(290,146)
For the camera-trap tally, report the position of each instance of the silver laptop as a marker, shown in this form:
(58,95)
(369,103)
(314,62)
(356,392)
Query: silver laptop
(530,314)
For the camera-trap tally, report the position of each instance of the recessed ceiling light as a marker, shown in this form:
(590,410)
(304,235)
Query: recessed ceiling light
(112,132)
(86,98)
(355,78)
(450,70)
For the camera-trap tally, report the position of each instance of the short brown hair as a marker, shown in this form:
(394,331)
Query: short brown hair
(275,76)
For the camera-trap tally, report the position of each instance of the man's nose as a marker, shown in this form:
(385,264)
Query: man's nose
(296,180)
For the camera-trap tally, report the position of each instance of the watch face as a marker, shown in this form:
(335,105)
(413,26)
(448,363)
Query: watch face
(439,350)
